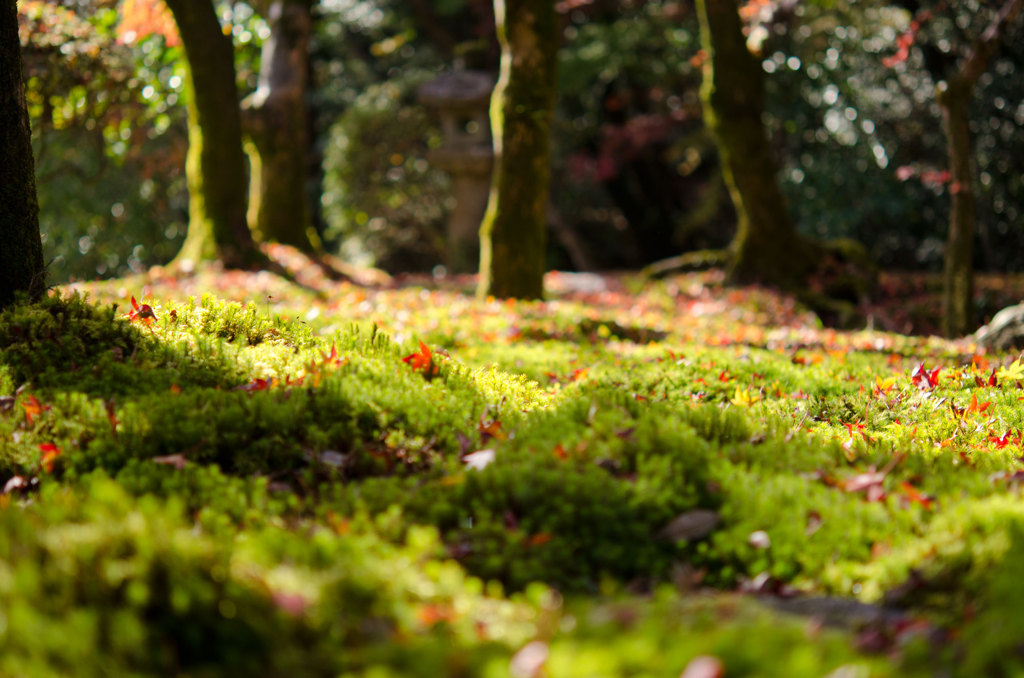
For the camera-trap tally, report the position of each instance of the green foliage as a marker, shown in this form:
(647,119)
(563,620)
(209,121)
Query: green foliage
(94,582)
(381,197)
(856,127)
(327,468)
(664,634)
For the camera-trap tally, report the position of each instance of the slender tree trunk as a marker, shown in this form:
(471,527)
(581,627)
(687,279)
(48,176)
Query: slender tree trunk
(766,248)
(958,294)
(21,248)
(954,97)
(276,124)
(514,230)
(215,166)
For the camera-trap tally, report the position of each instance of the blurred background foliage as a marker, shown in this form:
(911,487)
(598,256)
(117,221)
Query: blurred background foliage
(635,174)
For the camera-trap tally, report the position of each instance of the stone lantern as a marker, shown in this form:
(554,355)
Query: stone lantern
(462,101)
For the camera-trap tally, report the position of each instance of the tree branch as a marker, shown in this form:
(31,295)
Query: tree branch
(985,47)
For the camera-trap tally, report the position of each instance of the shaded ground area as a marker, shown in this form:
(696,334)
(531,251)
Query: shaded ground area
(628,479)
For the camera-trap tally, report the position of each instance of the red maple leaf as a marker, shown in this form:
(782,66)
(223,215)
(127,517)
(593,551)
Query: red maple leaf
(141,312)
(50,453)
(1002,441)
(915,496)
(33,408)
(256,385)
(975,406)
(422,361)
(924,378)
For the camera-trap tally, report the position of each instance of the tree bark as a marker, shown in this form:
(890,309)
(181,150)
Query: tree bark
(514,230)
(954,97)
(766,248)
(215,166)
(275,121)
(21,248)
(958,281)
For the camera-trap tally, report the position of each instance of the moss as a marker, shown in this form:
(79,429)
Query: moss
(550,443)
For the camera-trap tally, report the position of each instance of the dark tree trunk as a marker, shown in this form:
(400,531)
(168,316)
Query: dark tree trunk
(954,97)
(767,248)
(215,167)
(276,123)
(958,292)
(21,248)
(514,230)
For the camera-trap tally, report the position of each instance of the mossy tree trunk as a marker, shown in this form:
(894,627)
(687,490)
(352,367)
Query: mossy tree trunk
(954,97)
(513,233)
(21,248)
(958,281)
(216,168)
(766,248)
(275,121)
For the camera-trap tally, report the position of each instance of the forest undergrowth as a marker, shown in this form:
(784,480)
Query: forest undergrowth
(237,472)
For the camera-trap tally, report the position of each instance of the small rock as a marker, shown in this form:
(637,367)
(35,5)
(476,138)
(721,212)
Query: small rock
(332,458)
(1006,330)
(695,524)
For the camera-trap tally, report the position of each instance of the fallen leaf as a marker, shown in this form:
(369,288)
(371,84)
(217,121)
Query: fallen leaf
(704,666)
(479,460)
(111,415)
(863,481)
(256,385)
(743,398)
(915,496)
(15,483)
(50,454)
(924,378)
(759,539)
(178,461)
(491,429)
(422,361)
(433,613)
(292,604)
(33,408)
(529,661)
(539,539)
(141,312)
(975,406)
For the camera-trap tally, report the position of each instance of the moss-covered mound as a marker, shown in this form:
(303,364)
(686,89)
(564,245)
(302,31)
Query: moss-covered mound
(397,483)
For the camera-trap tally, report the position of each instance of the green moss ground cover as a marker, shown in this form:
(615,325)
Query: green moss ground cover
(334,480)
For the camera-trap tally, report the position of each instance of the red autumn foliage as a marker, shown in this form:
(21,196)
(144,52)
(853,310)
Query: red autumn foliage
(422,361)
(141,312)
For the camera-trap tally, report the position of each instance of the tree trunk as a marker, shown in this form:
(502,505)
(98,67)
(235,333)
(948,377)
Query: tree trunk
(276,124)
(766,248)
(954,97)
(21,248)
(514,230)
(958,293)
(216,169)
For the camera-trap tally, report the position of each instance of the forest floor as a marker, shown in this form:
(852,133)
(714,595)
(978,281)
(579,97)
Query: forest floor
(236,473)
